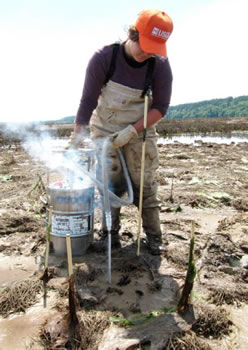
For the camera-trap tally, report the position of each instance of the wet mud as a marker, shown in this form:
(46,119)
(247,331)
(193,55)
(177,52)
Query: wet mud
(205,184)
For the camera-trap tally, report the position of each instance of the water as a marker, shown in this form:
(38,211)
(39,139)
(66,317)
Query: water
(234,137)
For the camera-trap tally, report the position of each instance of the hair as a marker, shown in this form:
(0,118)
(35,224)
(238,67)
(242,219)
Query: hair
(133,34)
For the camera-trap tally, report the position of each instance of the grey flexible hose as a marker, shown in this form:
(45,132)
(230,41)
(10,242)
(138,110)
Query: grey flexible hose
(116,201)
(108,194)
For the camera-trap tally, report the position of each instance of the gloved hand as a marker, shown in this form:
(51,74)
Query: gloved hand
(74,140)
(121,138)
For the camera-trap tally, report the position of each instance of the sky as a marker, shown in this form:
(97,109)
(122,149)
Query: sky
(46,45)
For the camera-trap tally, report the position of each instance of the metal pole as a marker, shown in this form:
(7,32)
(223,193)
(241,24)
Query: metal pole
(107,209)
(109,258)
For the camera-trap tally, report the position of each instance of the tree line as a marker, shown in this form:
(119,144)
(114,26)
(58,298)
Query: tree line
(221,107)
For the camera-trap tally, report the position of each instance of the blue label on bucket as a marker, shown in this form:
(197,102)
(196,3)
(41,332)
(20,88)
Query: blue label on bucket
(68,199)
(76,225)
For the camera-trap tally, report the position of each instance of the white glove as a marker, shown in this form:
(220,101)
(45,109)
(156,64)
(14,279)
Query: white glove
(74,140)
(121,138)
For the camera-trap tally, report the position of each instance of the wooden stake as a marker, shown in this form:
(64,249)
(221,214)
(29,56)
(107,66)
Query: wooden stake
(69,254)
(142,174)
(45,275)
(49,225)
(73,329)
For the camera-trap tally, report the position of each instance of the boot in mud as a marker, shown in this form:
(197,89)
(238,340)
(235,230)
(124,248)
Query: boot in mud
(115,238)
(151,226)
(100,245)
(154,244)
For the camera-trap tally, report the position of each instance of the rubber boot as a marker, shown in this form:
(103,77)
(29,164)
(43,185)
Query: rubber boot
(154,244)
(115,239)
(151,227)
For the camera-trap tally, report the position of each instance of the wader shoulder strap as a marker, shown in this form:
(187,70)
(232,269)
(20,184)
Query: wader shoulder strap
(148,78)
(112,63)
(149,71)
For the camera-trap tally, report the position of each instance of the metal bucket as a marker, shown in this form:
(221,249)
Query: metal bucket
(73,213)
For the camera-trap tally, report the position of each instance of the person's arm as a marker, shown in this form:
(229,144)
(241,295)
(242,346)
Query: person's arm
(153,116)
(94,79)
(79,128)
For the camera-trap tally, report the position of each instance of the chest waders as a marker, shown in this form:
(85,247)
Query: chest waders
(118,106)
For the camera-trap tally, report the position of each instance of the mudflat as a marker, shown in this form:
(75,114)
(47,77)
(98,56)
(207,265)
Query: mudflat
(205,184)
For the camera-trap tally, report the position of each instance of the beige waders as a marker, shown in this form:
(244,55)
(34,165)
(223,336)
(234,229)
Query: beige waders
(119,106)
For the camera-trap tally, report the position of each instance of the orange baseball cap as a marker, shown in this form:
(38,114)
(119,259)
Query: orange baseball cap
(154,27)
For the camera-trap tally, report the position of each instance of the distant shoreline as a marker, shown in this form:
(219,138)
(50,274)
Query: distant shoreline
(165,128)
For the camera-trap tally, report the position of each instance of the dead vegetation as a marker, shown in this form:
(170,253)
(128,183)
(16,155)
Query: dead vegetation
(19,297)
(186,341)
(201,125)
(18,223)
(228,295)
(92,324)
(212,322)
(205,184)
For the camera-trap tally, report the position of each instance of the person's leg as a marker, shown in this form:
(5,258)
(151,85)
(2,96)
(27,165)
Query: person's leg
(151,227)
(150,205)
(115,227)
(116,184)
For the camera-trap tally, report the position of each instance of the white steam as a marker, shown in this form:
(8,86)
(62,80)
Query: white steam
(50,151)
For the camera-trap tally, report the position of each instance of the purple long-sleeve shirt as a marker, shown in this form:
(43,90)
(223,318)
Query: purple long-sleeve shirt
(127,72)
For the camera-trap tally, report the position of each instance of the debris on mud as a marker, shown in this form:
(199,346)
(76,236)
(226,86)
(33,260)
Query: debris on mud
(54,334)
(212,322)
(19,297)
(220,295)
(17,223)
(205,184)
(186,341)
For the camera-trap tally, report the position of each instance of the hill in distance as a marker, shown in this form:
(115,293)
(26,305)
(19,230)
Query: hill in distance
(215,108)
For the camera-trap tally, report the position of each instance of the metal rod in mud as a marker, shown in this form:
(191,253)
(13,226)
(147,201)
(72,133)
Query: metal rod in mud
(106,204)
(142,173)
(109,257)
(109,225)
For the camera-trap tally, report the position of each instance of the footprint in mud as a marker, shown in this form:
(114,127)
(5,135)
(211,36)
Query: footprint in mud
(124,280)
(112,290)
